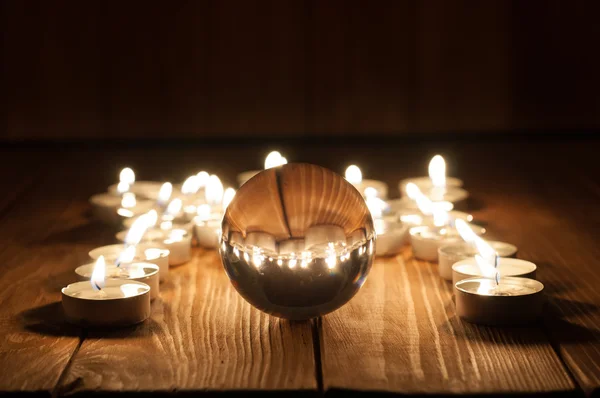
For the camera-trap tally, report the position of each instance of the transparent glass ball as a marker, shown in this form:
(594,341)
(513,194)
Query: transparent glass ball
(297,241)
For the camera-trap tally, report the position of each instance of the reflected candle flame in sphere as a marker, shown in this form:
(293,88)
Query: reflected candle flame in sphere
(297,241)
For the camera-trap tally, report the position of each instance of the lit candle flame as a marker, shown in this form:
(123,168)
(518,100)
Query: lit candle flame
(228,197)
(274,159)
(353,174)
(128,201)
(190,185)
(203,178)
(122,187)
(214,191)
(166,190)
(331,259)
(98,274)
(127,176)
(437,171)
(138,229)
(427,207)
(486,257)
(203,212)
(126,256)
(174,208)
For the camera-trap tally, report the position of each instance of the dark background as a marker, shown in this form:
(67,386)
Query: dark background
(79,70)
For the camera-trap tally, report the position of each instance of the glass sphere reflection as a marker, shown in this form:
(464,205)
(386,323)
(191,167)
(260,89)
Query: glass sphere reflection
(297,241)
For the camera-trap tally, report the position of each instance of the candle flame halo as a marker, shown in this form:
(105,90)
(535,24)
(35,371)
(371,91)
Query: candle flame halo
(274,159)
(437,171)
(127,176)
(353,174)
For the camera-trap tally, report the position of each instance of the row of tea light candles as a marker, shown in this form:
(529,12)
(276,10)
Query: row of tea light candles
(424,213)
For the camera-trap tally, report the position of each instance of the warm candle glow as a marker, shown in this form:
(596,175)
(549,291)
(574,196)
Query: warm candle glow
(353,174)
(122,187)
(487,258)
(126,256)
(174,208)
(437,171)
(203,212)
(274,159)
(128,200)
(127,176)
(98,274)
(166,190)
(228,197)
(214,191)
(203,177)
(138,229)
(190,185)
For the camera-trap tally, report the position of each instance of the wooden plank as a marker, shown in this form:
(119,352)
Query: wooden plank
(201,336)
(559,200)
(37,344)
(400,334)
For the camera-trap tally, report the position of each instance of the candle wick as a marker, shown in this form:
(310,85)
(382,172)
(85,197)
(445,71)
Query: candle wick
(97,286)
(496,267)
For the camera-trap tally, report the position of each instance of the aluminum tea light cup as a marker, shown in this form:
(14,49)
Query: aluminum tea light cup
(426,241)
(144,252)
(140,272)
(511,301)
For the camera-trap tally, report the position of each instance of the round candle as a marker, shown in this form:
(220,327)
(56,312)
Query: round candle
(147,253)
(451,253)
(177,241)
(118,303)
(415,218)
(514,267)
(427,240)
(273,159)
(143,189)
(140,272)
(513,301)
(108,208)
(207,233)
(391,237)
(425,184)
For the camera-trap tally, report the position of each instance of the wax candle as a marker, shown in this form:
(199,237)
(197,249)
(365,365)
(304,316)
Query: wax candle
(145,253)
(354,176)
(106,303)
(439,187)
(273,159)
(451,253)
(507,301)
(113,210)
(140,272)
(469,268)
(427,240)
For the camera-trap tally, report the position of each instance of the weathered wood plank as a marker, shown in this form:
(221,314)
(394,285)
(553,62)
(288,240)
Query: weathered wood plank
(36,344)
(400,334)
(201,336)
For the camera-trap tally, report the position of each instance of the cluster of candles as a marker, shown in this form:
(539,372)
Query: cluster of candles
(490,286)
(163,221)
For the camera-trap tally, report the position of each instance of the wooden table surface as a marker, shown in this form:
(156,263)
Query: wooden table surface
(398,335)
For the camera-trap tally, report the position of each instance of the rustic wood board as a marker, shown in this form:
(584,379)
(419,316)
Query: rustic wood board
(35,263)
(201,336)
(400,334)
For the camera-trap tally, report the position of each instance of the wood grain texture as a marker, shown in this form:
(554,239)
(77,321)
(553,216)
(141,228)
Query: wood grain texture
(201,336)
(400,334)
(37,343)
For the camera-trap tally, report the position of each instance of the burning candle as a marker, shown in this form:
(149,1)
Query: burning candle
(145,253)
(140,272)
(354,176)
(505,301)
(514,267)
(177,241)
(105,303)
(452,253)
(112,209)
(128,183)
(437,187)
(208,220)
(496,299)
(391,234)
(273,159)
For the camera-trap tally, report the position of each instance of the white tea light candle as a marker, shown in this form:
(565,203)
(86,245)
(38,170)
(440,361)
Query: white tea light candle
(147,253)
(354,176)
(106,303)
(427,240)
(141,272)
(511,301)
(514,267)
(450,254)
